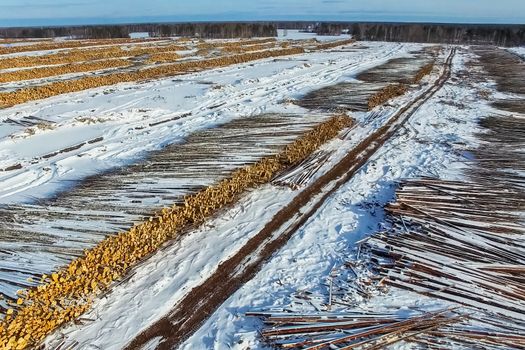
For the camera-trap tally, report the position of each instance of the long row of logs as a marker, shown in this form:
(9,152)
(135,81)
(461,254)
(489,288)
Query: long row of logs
(234,44)
(57,88)
(45,72)
(248,48)
(68,44)
(69,292)
(332,44)
(385,94)
(227,47)
(460,242)
(25,41)
(166,57)
(423,72)
(395,90)
(85,55)
(502,157)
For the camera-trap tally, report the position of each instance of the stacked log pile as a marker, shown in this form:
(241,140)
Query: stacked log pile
(502,157)
(299,175)
(69,292)
(235,44)
(85,55)
(378,86)
(352,330)
(166,57)
(248,48)
(385,94)
(57,88)
(460,242)
(332,44)
(45,72)
(423,72)
(25,41)
(340,97)
(400,70)
(68,44)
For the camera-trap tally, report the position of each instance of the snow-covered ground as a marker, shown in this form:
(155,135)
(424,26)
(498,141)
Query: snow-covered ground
(47,145)
(430,144)
(22,43)
(520,51)
(293,34)
(139,35)
(121,115)
(117,125)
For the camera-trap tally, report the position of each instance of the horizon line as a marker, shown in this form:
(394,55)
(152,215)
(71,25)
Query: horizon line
(146,22)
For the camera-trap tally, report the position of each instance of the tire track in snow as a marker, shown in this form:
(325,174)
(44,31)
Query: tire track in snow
(194,309)
(266,93)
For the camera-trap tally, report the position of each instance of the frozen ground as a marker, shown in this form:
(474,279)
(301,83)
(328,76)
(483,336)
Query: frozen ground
(292,34)
(430,144)
(119,118)
(46,146)
(520,51)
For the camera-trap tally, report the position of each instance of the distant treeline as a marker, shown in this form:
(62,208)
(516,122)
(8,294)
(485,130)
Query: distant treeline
(501,35)
(213,30)
(492,34)
(202,30)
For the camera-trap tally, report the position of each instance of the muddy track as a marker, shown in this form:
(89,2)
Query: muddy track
(195,308)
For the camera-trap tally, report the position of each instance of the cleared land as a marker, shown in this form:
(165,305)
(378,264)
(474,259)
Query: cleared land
(454,302)
(192,311)
(180,189)
(27,322)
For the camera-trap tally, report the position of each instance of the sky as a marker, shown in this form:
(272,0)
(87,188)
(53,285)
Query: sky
(63,12)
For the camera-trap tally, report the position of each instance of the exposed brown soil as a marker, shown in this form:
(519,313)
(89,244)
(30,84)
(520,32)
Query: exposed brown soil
(190,313)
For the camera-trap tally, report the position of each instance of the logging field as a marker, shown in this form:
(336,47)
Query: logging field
(298,192)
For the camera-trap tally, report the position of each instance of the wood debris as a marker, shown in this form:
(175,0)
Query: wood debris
(459,242)
(299,175)
(69,292)
(351,330)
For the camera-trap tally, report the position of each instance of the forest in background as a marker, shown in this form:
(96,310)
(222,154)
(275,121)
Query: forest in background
(469,34)
(202,30)
(474,34)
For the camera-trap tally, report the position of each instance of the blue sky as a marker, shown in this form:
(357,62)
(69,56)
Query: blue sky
(42,12)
